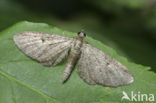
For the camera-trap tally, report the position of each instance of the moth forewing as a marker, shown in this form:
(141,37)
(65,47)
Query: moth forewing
(96,67)
(47,49)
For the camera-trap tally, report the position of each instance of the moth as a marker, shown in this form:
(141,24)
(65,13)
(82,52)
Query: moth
(94,66)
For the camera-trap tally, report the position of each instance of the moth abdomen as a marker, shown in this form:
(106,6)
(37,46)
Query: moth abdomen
(67,72)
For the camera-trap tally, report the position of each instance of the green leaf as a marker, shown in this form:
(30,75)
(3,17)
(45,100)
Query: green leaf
(23,80)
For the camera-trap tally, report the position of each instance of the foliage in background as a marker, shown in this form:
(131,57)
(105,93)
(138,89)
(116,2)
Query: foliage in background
(23,80)
(129,26)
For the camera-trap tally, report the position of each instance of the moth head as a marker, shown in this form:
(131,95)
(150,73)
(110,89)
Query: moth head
(81,34)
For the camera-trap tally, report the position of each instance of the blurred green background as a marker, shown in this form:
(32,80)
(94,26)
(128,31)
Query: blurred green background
(129,26)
